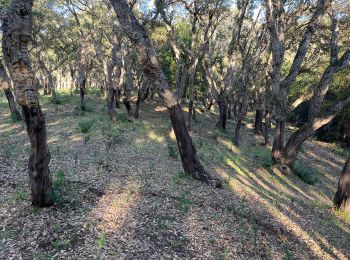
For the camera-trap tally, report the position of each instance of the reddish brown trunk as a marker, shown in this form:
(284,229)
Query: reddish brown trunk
(342,196)
(39,172)
(278,142)
(267,126)
(187,151)
(17,26)
(153,71)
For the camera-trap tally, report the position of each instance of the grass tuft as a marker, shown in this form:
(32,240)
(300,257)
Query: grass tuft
(308,175)
(61,98)
(172,150)
(85,125)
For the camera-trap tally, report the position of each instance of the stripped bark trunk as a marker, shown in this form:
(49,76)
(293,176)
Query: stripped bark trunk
(315,119)
(268,116)
(5,83)
(275,14)
(17,31)
(342,196)
(152,69)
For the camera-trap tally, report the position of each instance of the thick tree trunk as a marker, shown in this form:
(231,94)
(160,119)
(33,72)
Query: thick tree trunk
(293,146)
(17,31)
(278,142)
(188,153)
(342,196)
(153,71)
(258,126)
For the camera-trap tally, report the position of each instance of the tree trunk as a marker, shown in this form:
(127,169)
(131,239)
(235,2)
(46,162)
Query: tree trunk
(5,83)
(237,132)
(188,153)
(278,142)
(112,93)
(258,126)
(293,146)
(138,103)
(221,124)
(267,126)
(17,31)
(153,71)
(190,114)
(82,88)
(342,196)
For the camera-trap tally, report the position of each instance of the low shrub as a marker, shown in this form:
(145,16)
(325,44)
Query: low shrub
(85,125)
(308,175)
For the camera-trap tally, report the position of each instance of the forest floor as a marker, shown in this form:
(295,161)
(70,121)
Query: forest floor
(121,193)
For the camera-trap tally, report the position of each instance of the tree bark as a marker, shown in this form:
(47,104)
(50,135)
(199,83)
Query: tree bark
(258,126)
(82,87)
(221,124)
(267,126)
(278,141)
(153,71)
(342,196)
(237,132)
(315,120)
(5,83)
(17,31)
(274,14)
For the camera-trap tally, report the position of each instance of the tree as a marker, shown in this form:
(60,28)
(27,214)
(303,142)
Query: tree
(316,119)
(5,84)
(277,22)
(342,196)
(152,70)
(17,31)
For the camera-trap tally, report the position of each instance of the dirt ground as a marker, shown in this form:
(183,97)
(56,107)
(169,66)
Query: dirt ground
(121,192)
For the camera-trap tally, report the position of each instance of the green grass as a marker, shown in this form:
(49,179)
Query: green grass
(185,203)
(180,177)
(172,150)
(85,125)
(307,174)
(61,98)
(58,191)
(262,155)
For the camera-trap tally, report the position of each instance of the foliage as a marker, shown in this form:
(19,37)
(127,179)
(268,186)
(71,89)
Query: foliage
(61,98)
(85,125)
(172,150)
(308,175)
(58,190)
